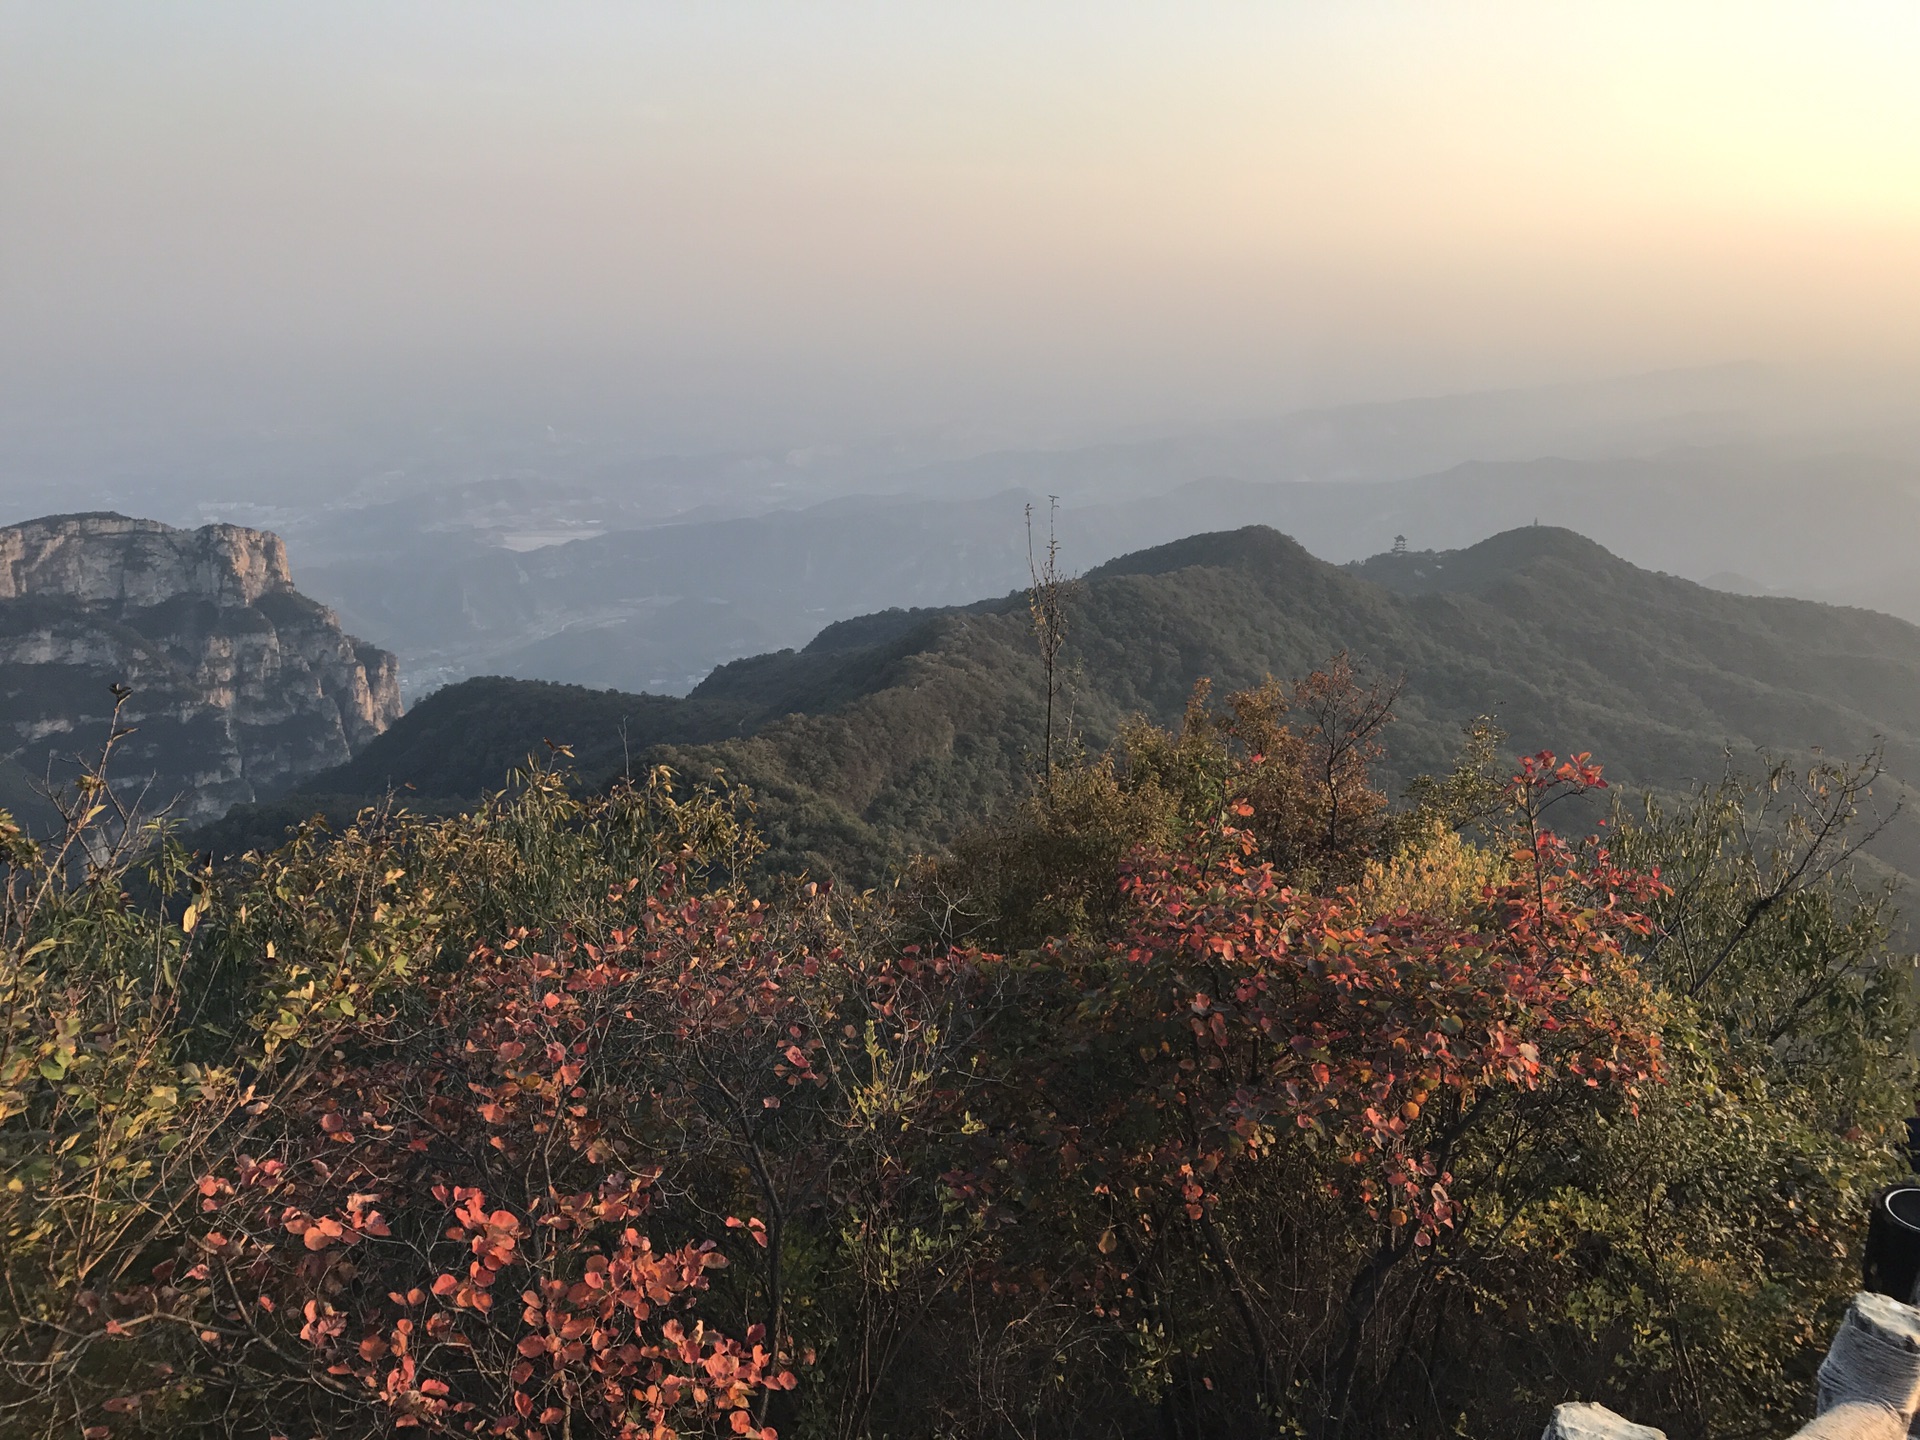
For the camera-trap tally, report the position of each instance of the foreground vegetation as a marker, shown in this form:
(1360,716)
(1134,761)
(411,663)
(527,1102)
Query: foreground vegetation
(1203,1094)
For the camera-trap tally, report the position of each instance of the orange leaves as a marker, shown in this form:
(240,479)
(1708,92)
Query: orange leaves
(1346,1022)
(213,1189)
(323,1323)
(594,1331)
(494,1233)
(508,1144)
(1192,1193)
(1546,774)
(755,1227)
(319,1232)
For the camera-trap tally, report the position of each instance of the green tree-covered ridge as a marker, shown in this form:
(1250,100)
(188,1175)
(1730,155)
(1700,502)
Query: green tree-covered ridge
(888,733)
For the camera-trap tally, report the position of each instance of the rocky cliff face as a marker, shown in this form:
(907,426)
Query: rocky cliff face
(241,685)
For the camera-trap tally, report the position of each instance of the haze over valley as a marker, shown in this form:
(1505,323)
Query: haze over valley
(646,577)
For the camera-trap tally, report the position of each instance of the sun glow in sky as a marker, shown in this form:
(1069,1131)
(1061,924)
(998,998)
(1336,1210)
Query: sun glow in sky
(1048,215)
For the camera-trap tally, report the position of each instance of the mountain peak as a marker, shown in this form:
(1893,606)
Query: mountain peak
(105,558)
(239,684)
(1252,547)
(1497,558)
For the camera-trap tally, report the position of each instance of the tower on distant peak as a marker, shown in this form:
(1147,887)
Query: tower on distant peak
(1399,544)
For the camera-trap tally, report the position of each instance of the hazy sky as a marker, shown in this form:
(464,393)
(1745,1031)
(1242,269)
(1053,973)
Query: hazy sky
(1041,219)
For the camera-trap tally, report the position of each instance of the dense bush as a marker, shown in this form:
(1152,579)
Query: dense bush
(1203,1095)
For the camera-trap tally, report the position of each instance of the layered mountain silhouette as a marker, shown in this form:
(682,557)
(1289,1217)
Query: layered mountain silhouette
(887,732)
(657,608)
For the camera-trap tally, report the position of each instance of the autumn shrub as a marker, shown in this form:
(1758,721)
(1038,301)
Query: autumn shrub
(120,1085)
(1252,1082)
(1052,869)
(1676,1248)
(170,1036)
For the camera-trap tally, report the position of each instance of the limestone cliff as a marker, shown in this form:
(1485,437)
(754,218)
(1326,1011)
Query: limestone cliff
(241,685)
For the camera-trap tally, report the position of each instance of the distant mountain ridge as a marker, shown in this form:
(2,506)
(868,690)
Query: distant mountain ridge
(656,608)
(887,732)
(241,686)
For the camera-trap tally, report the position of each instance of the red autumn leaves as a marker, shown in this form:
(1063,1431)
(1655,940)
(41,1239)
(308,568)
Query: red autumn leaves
(460,1221)
(400,1274)
(1379,1036)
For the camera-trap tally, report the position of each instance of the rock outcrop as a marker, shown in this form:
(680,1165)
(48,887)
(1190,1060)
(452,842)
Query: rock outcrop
(241,686)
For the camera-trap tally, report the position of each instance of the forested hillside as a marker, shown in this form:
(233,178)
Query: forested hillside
(885,734)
